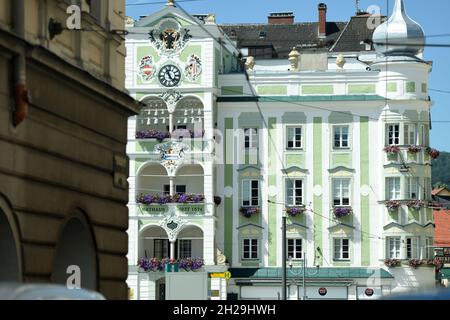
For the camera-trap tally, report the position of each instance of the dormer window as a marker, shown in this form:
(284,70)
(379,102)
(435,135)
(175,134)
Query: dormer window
(262,34)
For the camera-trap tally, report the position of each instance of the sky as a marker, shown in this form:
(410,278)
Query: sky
(432,15)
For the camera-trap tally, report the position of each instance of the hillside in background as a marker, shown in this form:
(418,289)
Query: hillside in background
(440,172)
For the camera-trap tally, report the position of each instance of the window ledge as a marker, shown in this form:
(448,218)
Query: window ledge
(342,260)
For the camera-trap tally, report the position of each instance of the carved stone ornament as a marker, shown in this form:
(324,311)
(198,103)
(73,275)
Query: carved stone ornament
(340,61)
(129,21)
(293,59)
(172,155)
(169,38)
(250,63)
(210,19)
(221,258)
(172,224)
(171,97)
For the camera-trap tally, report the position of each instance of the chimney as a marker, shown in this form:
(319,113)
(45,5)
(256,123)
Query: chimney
(281,18)
(322,20)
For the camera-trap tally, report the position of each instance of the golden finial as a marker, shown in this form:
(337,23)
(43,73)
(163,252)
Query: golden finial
(170,3)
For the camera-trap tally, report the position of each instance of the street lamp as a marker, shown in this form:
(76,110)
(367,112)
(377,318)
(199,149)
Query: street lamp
(304,272)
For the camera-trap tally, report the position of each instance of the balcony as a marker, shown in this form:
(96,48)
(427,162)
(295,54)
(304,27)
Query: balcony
(410,154)
(188,209)
(182,121)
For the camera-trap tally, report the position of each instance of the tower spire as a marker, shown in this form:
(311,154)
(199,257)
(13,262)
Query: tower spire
(357,6)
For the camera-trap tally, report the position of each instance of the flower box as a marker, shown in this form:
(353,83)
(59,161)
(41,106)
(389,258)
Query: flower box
(295,211)
(153,134)
(392,149)
(170,265)
(393,205)
(433,153)
(414,263)
(340,212)
(249,211)
(414,149)
(416,204)
(191,264)
(165,198)
(390,263)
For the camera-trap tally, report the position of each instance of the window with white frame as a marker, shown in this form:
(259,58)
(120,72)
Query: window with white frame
(250,193)
(250,138)
(412,248)
(393,247)
(428,250)
(294,192)
(294,248)
(412,188)
(341,249)
(393,134)
(250,249)
(341,192)
(424,135)
(160,248)
(180,189)
(426,188)
(294,137)
(341,137)
(393,188)
(184,248)
(409,134)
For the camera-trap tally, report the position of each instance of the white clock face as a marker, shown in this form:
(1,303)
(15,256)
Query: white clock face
(169,76)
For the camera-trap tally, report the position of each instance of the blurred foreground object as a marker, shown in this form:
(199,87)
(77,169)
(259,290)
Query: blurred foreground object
(17,291)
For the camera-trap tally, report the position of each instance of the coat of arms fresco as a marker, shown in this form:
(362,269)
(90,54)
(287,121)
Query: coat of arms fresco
(193,68)
(172,154)
(169,38)
(147,68)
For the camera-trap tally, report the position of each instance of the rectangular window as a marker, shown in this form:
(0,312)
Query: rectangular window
(341,138)
(428,250)
(392,188)
(393,134)
(167,189)
(250,138)
(410,136)
(412,188)
(424,137)
(412,249)
(294,137)
(426,189)
(393,248)
(341,249)
(250,193)
(95,9)
(160,248)
(250,249)
(178,189)
(341,192)
(294,248)
(294,192)
(185,248)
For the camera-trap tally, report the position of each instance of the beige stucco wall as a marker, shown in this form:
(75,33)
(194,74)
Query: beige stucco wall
(60,159)
(101,53)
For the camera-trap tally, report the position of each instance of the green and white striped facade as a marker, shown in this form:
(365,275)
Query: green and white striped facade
(367,102)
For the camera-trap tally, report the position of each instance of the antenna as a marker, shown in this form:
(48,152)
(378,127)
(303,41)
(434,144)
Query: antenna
(357,6)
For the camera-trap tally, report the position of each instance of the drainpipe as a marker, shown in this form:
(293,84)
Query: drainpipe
(20,91)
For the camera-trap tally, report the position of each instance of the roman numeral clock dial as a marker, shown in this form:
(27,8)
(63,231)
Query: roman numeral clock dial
(169,76)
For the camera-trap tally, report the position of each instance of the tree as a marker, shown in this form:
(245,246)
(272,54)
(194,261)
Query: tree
(440,171)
